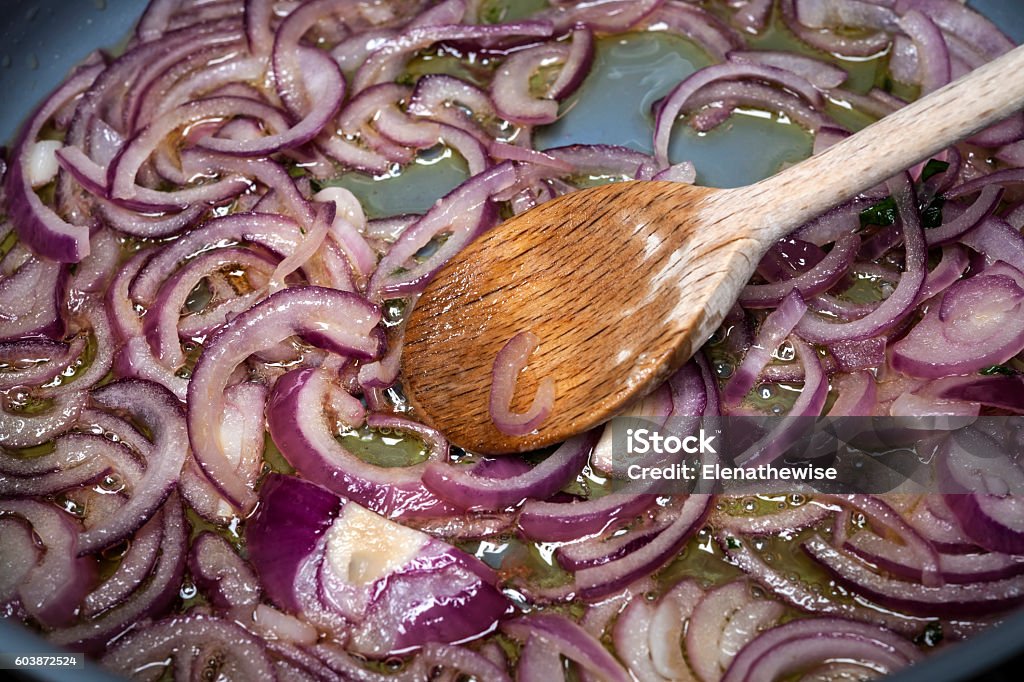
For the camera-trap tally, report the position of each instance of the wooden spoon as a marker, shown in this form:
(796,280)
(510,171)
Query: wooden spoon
(624,282)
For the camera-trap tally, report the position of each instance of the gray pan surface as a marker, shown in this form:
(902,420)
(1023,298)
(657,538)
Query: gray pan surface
(40,40)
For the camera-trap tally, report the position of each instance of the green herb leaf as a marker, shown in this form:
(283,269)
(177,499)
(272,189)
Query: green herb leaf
(933,168)
(931,215)
(732,543)
(883,213)
(998,369)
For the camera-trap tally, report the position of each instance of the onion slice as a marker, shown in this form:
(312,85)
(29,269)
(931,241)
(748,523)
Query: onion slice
(508,363)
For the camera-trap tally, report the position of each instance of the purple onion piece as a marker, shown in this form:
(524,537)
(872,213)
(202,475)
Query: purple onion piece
(53,588)
(298,424)
(221,574)
(395,587)
(160,411)
(570,640)
(150,599)
(38,225)
(722,623)
(195,645)
(970,599)
(340,321)
(508,363)
(977,323)
(477,491)
(135,566)
(801,644)
(776,327)
(598,581)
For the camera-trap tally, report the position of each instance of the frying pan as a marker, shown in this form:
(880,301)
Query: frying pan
(41,40)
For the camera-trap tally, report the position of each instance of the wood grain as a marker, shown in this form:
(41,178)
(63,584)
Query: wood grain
(623,282)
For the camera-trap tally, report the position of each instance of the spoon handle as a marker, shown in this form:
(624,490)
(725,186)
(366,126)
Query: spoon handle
(893,143)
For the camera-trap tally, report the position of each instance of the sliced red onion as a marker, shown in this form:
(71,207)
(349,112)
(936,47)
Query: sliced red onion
(716,102)
(933,520)
(327,318)
(508,363)
(92,275)
(933,55)
(558,522)
(776,327)
(988,482)
(900,303)
(695,23)
(36,361)
(387,61)
(852,356)
(30,299)
(161,412)
(825,14)
(684,172)
(738,551)
(195,647)
(133,569)
(1005,177)
(617,544)
(666,630)
(631,640)
(434,440)
(277,625)
(972,28)
(19,430)
(52,590)
(982,207)
(20,556)
(152,597)
(952,266)
(592,583)
(464,213)
(996,241)
(1002,392)
(160,325)
(539,660)
(91,315)
(858,396)
(802,644)
(976,324)
(462,660)
(325,88)
(752,16)
(570,640)
(722,623)
(300,428)
(277,233)
(809,404)
(510,88)
(822,277)
(467,489)
(822,75)
(399,588)
(971,599)
(38,225)
(77,459)
(221,574)
(676,100)
(955,568)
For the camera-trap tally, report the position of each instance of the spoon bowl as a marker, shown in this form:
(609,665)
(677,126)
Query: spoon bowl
(623,282)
